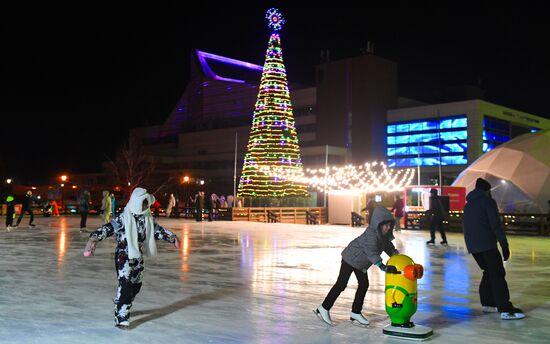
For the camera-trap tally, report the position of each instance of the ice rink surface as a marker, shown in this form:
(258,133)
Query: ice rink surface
(240,282)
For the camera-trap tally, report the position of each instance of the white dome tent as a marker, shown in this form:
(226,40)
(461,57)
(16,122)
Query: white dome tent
(519,173)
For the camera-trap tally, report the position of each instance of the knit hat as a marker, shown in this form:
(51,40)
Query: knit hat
(433,191)
(482,184)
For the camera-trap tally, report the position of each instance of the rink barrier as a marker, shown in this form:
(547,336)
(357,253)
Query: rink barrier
(513,223)
(299,215)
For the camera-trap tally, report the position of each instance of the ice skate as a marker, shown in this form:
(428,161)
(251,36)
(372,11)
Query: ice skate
(444,243)
(32,225)
(513,314)
(323,315)
(489,309)
(123,325)
(430,242)
(358,319)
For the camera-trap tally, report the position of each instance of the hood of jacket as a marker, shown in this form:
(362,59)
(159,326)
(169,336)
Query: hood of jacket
(476,194)
(381,214)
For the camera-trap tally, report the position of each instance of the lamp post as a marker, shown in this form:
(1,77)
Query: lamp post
(8,181)
(63,179)
(186,189)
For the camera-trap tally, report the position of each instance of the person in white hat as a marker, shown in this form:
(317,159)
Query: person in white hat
(136,232)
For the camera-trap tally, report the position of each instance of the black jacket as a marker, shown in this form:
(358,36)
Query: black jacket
(482,226)
(26,204)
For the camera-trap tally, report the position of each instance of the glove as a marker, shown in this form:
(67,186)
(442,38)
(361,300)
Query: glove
(176,242)
(390,269)
(90,247)
(505,253)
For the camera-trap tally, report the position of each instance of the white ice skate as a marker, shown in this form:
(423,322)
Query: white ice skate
(358,319)
(489,309)
(123,325)
(323,314)
(514,315)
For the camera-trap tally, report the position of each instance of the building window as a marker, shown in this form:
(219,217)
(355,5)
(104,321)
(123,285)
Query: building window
(426,142)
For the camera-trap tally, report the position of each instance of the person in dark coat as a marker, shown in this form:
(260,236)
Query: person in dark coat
(84,207)
(371,205)
(10,211)
(398,210)
(436,214)
(358,257)
(482,230)
(26,206)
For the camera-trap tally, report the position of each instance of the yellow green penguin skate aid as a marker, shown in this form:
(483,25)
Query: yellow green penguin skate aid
(401,299)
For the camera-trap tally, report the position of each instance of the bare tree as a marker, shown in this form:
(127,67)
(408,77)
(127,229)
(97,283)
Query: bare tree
(132,168)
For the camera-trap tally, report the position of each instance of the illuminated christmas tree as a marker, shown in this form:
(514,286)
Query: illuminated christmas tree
(273,140)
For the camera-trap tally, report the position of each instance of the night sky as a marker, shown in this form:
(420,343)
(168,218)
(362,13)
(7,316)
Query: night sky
(75,78)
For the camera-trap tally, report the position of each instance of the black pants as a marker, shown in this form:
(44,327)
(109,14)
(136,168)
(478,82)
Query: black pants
(23,213)
(437,224)
(9,217)
(341,284)
(493,289)
(199,214)
(83,218)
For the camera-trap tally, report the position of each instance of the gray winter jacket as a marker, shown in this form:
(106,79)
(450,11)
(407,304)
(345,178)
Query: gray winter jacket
(365,250)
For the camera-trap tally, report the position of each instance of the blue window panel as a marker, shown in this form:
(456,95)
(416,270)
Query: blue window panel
(452,123)
(454,147)
(401,128)
(454,135)
(390,129)
(430,149)
(391,140)
(454,160)
(416,126)
(402,139)
(431,125)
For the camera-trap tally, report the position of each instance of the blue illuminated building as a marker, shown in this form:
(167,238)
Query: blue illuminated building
(452,134)
(427,142)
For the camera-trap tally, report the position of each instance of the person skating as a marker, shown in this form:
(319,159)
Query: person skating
(10,211)
(398,211)
(436,214)
(106,211)
(358,257)
(136,232)
(482,230)
(26,206)
(171,204)
(84,207)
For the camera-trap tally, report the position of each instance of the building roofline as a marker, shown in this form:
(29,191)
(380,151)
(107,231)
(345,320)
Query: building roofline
(203,58)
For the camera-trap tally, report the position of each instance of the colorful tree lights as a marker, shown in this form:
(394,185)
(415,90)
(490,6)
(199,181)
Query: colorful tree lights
(273,141)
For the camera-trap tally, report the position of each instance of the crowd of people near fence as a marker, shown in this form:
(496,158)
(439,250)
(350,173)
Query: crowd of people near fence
(198,206)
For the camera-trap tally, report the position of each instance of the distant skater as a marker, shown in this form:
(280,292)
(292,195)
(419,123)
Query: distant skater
(26,207)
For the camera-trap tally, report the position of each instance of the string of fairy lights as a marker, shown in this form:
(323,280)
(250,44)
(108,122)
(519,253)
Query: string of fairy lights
(273,138)
(370,177)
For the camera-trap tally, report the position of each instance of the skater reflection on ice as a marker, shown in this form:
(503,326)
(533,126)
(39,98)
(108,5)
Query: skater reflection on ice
(136,231)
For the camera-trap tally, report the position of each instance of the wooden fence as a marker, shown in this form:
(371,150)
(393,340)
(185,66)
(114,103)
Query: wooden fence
(301,215)
(526,224)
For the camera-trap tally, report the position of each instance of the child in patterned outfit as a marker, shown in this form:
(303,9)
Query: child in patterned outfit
(132,228)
